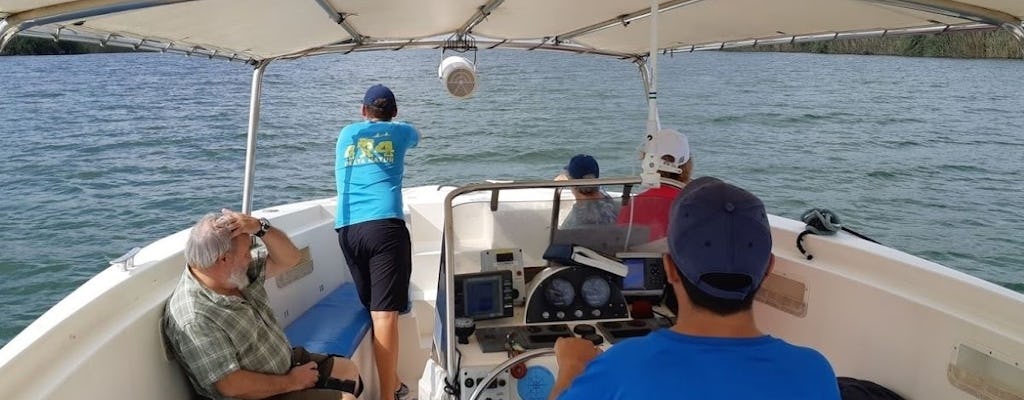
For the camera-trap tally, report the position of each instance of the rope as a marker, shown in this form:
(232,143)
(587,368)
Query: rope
(821,221)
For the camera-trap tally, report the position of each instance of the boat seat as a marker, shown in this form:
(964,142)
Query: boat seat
(335,325)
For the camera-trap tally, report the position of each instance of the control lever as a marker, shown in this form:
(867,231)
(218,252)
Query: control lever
(464,328)
(513,348)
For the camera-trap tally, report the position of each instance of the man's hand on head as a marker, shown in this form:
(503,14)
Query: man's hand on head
(239,223)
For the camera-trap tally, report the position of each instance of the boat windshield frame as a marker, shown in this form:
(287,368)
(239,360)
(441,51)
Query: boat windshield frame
(444,307)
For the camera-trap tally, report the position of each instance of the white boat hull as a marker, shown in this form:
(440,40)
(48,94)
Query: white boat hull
(876,313)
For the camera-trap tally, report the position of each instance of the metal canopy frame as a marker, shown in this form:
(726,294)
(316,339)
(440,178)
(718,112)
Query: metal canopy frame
(624,19)
(50,22)
(340,18)
(66,12)
(481,14)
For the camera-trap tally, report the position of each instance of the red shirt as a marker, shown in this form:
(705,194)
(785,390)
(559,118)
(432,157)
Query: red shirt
(651,207)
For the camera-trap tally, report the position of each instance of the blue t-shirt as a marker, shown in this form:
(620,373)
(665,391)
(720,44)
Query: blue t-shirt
(669,365)
(368,167)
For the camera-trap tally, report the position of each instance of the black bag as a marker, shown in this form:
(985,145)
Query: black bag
(856,389)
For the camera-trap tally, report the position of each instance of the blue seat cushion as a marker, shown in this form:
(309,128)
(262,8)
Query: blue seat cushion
(335,325)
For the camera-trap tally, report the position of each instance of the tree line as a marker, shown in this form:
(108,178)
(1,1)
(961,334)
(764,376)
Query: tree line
(974,44)
(30,46)
(977,44)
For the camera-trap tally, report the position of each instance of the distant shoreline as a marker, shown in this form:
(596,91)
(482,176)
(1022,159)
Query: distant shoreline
(29,46)
(995,43)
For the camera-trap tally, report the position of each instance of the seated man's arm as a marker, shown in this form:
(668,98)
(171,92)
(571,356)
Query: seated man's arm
(573,355)
(207,352)
(282,254)
(243,384)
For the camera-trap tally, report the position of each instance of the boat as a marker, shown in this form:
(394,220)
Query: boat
(921,329)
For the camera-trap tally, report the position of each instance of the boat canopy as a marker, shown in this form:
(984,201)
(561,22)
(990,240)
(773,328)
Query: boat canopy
(258,30)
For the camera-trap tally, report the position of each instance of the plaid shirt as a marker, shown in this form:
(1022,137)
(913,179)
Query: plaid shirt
(213,335)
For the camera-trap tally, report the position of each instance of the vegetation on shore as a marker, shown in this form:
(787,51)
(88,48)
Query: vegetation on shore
(30,46)
(977,44)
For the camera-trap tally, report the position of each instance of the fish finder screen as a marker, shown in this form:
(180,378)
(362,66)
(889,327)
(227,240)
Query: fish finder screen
(634,279)
(483,296)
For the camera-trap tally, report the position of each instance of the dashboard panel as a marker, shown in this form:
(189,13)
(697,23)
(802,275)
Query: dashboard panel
(561,294)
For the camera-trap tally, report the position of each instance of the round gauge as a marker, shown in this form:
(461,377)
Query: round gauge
(596,291)
(559,292)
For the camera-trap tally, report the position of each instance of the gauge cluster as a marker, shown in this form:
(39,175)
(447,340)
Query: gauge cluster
(562,294)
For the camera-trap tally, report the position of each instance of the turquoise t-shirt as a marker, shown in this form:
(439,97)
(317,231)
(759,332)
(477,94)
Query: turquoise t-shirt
(368,167)
(669,365)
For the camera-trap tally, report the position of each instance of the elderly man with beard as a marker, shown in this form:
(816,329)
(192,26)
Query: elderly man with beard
(222,330)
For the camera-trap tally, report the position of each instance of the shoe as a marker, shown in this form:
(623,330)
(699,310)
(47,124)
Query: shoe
(403,393)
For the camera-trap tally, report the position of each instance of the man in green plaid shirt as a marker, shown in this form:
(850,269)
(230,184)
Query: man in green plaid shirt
(222,330)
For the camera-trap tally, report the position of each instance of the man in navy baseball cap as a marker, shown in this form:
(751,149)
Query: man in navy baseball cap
(593,205)
(720,244)
(369,168)
(381,97)
(583,166)
(720,241)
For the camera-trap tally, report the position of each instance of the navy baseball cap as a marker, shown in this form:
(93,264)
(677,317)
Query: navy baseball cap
(376,93)
(582,165)
(717,228)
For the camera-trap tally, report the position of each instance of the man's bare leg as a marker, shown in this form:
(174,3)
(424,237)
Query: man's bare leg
(385,351)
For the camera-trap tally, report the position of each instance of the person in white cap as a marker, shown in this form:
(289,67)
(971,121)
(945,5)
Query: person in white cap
(650,207)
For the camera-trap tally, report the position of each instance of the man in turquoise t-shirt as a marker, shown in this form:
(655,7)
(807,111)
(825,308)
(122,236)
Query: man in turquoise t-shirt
(369,161)
(719,253)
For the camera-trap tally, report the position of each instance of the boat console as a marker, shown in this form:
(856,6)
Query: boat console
(604,301)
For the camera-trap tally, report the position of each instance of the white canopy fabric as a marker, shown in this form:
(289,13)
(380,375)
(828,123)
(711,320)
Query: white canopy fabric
(255,30)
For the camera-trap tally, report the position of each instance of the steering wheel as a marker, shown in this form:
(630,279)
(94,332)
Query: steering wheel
(525,356)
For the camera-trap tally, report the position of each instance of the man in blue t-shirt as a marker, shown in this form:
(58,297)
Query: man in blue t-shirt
(719,253)
(369,161)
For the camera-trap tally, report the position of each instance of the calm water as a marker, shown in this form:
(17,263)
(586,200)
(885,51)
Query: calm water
(102,153)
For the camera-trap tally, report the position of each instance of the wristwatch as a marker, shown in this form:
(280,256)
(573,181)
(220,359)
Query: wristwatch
(264,227)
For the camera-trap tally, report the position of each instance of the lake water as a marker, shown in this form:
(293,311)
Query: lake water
(102,153)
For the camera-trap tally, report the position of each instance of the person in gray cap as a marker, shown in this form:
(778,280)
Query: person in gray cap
(719,253)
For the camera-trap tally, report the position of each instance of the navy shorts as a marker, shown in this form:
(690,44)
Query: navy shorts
(379,256)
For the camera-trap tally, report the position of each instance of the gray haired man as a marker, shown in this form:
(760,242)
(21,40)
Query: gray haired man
(222,330)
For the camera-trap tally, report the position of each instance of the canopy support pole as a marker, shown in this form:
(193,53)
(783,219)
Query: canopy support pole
(250,145)
(1018,33)
(649,175)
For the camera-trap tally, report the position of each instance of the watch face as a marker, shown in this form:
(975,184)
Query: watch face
(264,227)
